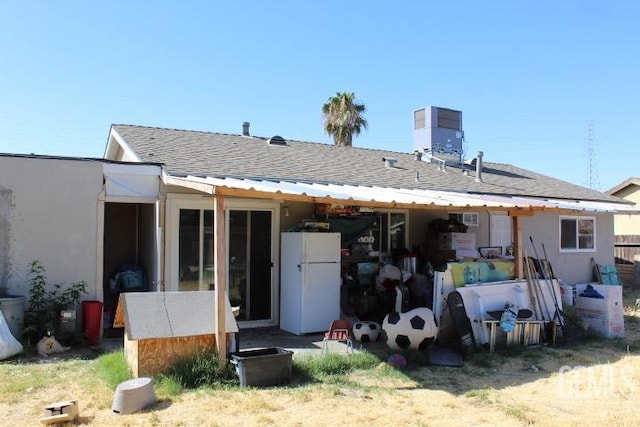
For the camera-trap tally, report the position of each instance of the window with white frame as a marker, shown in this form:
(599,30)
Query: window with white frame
(470,219)
(577,233)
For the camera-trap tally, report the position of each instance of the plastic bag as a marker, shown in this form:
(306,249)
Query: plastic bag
(509,316)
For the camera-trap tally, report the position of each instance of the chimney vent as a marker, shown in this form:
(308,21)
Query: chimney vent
(389,162)
(245,128)
(418,155)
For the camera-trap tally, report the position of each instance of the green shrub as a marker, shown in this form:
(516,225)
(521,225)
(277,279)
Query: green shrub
(202,369)
(169,386)
(318,367)
(112,368)
(42,316)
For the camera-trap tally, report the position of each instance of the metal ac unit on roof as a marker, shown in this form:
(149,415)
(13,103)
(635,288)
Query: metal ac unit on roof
(438,130)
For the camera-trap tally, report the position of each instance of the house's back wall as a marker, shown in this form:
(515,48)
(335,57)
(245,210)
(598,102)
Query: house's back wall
(49,214)
(570,267)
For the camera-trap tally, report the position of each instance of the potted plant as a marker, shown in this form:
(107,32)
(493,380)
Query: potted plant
(46,305)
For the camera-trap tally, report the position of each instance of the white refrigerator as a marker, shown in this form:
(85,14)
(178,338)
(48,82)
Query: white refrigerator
(310,281)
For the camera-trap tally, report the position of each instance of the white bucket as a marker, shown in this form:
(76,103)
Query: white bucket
(567,294)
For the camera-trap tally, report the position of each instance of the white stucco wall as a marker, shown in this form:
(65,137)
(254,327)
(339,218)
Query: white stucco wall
(570,267)
(628,224)
(49,213)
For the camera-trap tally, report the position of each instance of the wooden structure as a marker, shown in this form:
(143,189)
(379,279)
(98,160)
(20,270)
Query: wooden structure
(526,333)
(626,248)
(60,412)
(163,327)
(627,257)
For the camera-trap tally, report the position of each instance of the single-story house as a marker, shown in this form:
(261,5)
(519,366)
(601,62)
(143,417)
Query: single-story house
(156,199)
(271,184)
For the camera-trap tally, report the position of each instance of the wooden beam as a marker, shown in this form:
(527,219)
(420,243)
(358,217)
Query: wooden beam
(186,183)
(519,212)
(517,240)
(220,282)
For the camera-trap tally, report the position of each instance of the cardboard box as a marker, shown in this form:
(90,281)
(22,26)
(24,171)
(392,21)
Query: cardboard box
(604,316)
(612,296)
(457,241)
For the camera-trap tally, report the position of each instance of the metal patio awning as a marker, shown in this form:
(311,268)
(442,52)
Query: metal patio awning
(384,196)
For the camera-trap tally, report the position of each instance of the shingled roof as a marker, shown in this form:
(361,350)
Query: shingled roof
(185,152)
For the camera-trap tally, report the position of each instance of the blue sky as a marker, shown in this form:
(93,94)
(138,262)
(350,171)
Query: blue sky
(527,76)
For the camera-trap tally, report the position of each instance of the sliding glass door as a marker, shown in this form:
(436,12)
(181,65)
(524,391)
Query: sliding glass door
(251,231)
(250,261)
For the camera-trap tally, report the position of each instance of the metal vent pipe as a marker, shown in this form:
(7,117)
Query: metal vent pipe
(479,167)
(389,162)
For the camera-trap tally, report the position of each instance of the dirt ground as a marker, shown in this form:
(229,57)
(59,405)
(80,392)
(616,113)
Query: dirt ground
(596,382)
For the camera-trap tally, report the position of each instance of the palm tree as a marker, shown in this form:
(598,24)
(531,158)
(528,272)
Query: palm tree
(343,118)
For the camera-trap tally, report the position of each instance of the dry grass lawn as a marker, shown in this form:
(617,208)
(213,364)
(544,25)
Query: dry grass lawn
(596,382)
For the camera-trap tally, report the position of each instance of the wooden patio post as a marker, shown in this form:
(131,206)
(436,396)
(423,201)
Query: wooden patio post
(220,274)
(517,241)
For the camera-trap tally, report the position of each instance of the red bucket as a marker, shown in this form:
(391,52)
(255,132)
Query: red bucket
(92,321)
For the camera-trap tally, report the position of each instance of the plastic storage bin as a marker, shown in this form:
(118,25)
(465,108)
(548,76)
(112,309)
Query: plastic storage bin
(262,366)
(92,321)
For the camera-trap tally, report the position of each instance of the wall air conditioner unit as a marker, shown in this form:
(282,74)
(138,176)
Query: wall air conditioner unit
(470,219)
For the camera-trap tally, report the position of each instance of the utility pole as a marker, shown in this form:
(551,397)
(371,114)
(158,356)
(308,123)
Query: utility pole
(592,180)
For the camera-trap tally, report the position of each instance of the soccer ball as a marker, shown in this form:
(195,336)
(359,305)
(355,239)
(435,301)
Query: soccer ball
(415,329)
(366,331)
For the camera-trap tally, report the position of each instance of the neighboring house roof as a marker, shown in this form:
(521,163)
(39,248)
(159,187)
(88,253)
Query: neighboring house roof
(76,159)
(624,184)
(219,155)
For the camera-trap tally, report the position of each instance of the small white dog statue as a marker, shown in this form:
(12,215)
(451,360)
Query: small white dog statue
(49,345)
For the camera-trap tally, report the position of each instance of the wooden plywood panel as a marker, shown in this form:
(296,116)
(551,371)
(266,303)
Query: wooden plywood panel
(118,318)
(131,354)
(155,356)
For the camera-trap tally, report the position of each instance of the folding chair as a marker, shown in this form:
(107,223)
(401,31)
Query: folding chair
(339,330)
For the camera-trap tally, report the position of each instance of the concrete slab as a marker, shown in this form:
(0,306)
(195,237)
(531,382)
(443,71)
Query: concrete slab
(302,344)
(273,337)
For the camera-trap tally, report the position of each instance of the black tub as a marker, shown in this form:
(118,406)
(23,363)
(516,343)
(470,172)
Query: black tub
(262,366)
